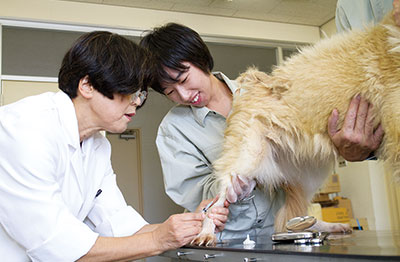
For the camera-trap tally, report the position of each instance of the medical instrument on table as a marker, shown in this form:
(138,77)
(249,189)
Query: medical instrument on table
(297,227)
(291,236)
(297,224)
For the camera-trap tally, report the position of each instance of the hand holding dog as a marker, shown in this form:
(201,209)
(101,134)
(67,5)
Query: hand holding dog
(219,215)
(357,138)
(178,230)
(240,188)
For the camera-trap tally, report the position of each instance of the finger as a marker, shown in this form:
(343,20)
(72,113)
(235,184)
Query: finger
(231,195)
(203,204)
(191,216)
(218,223)
(189,235)
(220,228)
(218,216)
(188,227)
(216,197)
(226,203)
(369,123)
(361,116)
(236,187)
(378,135)
(332,123)
(219,211)
(243,184)
(351,115)
(220,220)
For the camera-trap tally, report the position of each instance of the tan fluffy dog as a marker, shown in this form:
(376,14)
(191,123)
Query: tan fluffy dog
(277,131)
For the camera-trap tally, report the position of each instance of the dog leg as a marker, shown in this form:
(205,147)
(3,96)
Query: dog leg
(295,205)
(207,235)
(322,226)
(244,147)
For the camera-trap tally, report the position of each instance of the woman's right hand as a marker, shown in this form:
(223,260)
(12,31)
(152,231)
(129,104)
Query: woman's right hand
(178,230)
(219,215)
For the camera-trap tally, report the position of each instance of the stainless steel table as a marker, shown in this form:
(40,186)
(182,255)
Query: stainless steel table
(358,246)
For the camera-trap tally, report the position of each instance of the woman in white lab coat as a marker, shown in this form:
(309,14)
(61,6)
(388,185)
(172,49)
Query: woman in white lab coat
(59,200)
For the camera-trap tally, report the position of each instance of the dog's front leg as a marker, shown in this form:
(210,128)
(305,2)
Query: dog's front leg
(207,235)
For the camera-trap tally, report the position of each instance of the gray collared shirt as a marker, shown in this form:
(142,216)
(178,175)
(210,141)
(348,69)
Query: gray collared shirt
(189,140)
(361,13)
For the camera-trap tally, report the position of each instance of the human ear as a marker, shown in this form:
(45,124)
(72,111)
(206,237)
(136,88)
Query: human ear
(85,87)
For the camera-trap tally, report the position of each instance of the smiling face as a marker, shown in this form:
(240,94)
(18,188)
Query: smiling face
(193,86)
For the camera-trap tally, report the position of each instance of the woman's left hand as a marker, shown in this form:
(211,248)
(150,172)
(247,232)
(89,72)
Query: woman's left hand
(219,215)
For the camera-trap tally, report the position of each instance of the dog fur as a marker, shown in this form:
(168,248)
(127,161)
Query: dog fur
(277,131)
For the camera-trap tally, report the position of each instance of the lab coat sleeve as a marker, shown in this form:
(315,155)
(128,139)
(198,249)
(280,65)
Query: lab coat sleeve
(111,216)
(32,211)
(187,174)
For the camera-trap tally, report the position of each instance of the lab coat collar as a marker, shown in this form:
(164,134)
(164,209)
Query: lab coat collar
(200,113)
(68,119)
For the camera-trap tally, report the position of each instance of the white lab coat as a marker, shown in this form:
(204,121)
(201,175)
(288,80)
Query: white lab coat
(48,184)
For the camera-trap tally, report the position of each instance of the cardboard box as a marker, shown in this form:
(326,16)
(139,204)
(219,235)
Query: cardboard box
(321,198)
(315,210)
(335,215)
(332,185)
(359,224)
(346,203)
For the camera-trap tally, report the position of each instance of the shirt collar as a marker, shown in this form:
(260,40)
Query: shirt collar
(69,122)
(67,118)
(200,113)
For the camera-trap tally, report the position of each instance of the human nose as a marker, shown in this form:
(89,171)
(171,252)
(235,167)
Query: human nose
(183,93)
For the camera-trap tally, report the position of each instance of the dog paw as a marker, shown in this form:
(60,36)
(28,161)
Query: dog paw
(206,237)
(340,228)
(204,240)
(322,226)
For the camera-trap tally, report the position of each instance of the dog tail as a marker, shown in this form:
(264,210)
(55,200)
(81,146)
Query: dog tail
(295,205)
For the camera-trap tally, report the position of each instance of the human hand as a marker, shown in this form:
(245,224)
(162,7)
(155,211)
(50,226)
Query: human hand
(219,215)
(396,12)
(357,138)
(178,230)
(240,188)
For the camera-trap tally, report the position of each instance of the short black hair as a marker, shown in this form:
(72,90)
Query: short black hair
(113,63)
(171,45)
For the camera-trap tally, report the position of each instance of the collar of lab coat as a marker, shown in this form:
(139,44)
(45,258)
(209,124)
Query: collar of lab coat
(68,118)
(69,121)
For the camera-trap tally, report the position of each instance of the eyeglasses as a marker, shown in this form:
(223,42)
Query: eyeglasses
(142,95)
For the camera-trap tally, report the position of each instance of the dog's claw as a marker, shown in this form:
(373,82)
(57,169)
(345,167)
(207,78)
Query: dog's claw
(206,240)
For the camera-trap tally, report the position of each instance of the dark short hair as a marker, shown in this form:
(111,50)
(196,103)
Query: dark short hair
(114,65)
(171,45)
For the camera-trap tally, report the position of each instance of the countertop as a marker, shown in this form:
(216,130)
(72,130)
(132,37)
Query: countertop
(358,246)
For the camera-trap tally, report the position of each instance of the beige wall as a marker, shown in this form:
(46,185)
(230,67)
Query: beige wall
(142,19)
(328,29)
(363,182)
